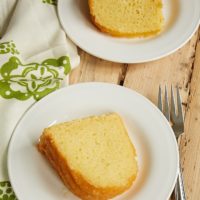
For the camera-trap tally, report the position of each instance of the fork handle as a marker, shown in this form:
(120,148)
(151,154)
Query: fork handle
(179,187)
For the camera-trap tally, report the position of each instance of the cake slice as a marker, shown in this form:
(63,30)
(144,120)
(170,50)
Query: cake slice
(130,18)
(94,156)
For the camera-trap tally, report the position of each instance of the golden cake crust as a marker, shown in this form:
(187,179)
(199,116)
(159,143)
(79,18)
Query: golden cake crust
(74,180)
(120,34)
(116,33)
(54,146)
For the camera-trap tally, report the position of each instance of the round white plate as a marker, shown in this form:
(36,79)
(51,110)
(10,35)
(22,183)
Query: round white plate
(33,178)
(181,20)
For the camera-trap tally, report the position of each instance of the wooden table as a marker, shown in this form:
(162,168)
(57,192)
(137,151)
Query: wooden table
(181,68)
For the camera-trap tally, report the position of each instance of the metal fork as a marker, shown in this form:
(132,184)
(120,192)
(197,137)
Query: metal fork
(174,115)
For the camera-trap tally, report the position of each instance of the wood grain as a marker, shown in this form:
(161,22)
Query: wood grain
(190,144)
(175,69)
(95,69)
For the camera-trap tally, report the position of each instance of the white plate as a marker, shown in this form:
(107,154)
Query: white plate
(181,20)
(33,178)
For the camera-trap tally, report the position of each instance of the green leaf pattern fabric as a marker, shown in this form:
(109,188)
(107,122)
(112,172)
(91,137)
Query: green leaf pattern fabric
(8,47)
(22,81)
(6,191)
(52,2)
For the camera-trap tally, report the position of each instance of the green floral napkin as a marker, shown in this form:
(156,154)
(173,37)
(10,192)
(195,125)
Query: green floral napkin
(35,59)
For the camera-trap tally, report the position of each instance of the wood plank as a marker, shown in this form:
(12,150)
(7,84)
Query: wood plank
(190,144)
(174,69)
(95,69)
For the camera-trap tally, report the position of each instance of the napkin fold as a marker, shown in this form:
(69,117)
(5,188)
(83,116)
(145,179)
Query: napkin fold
(35,59)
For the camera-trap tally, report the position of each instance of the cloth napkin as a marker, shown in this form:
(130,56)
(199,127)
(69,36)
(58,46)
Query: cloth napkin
(35,59)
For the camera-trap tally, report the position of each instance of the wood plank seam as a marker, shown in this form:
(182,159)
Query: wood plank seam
(123,74)
(191,75)
(190,143)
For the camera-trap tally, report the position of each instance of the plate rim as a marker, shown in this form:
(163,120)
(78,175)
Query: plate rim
(130,61)
(32,107)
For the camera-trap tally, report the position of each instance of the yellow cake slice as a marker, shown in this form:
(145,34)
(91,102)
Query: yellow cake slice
(130,18)
(94,156)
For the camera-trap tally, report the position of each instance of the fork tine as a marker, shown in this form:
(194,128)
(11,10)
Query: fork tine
(179,105)
(167,112)
(173,109)
(160,99)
